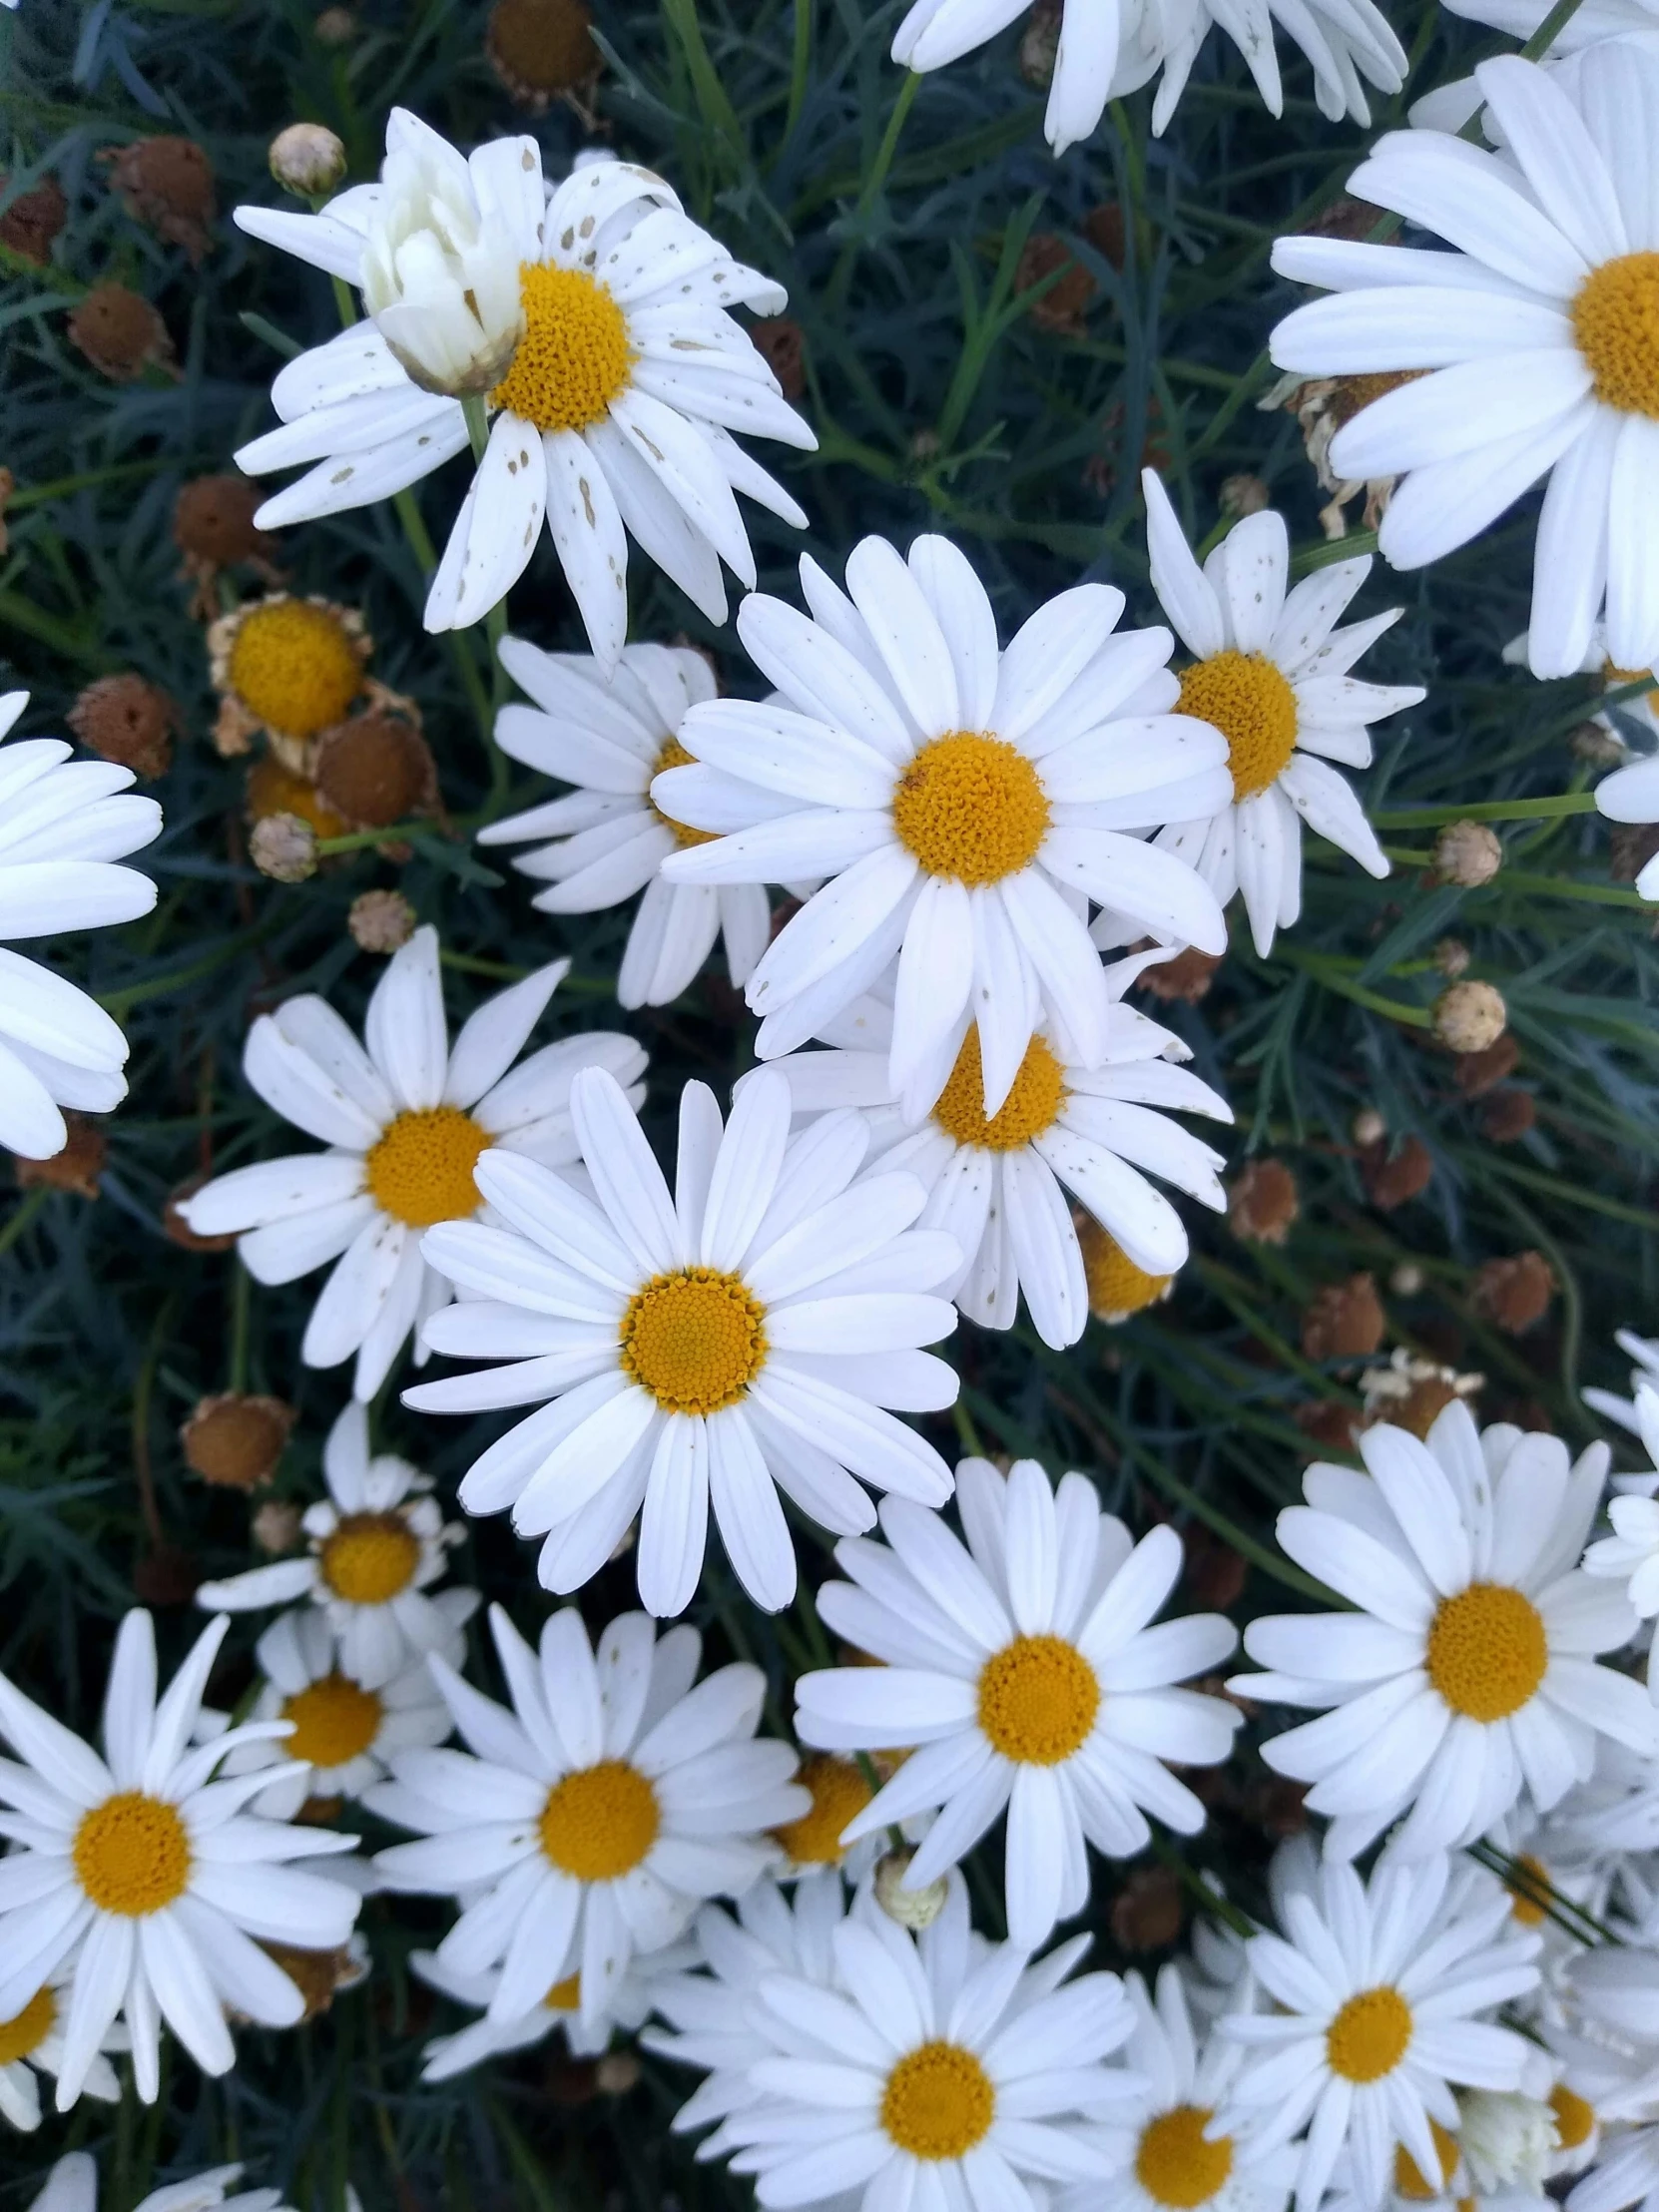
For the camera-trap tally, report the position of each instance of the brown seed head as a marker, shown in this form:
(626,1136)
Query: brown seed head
(318,1976)
(1344,1320)
(1508,1115)
(1469,1017)
(1392,1179)
(541,48)
(127,719)
(1187,977)
(166,184)
(76,1168)
(782,344)
(1630,848)
(34,219)
(234,1440)
(1596,747)
(1062,306)
(212,522)
(1263,1203)
(1477,1073)
(375,769)
(120,333)
(1514,1294)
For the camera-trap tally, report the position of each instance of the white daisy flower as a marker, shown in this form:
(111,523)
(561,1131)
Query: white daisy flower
(608,740)
(65,826)
(31,2045)
(590,1821)
(1631,794)
(935,2075)
(1380,1990)
(1622,1410)
(1466,1674)
(1106,51)
(151,1874)
(998,1183)
(374,1548)
(1590,22)
(72,2187)
(1630,1555)
(406,1119)
(1024,1667)
(967,804)
(1271,672)
(628,2007)
(1161,2152)
(589,321)
(745,1334)
(1532,328)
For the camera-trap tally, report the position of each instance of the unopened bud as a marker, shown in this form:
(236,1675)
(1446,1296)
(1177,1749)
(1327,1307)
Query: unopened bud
(911,1909)
(1369,1127)
(283,847)
(1452,958)
(1242,495)
(308,159)
(380,922)
(1467,852)
(1471,1016)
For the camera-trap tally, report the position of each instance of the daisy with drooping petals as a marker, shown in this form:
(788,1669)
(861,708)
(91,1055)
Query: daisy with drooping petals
(1025,1668)
(407,1120)
(589,322)
(1622,1410)
(998,1183)
(608,740)
(150,1872)
(376,1548)
(72,2187)
(744,1334)
(31,2046)
(1466,1674)
(1379,1992)
(66,824)
(1271,672)
(629,2004)
(591,1819)
(965,803)
(1534,328)
(1631,1553)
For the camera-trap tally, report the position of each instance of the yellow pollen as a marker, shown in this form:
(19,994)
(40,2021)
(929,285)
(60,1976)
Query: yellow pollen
(1038,1698)
(1408,2178)
(939,2101)
(1370,2036)
(132,1855)
(1575,2119)
(369,1557)
(421,1169)
(1246,697)
(695,1339)
(1117,1288)
(1029,1108)
(600,1822)
(335,1721)
(1487,1651)
(27,2031)
(839,1794)
(1176,2164)
(971,807)
(566,1995)
(1615,318)
(1535,1873)
(294,667)
(674,755)
(575,356)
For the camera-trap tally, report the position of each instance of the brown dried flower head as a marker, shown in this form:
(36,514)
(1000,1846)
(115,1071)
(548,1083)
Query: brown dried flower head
(120,333)
(1064,304)
(1187,977)
(1514,1294)
(1344,1320)
(166,184)
(76,1168)
(34,219)
(1242,495)
(1508,1115)
(290,666)
(1394,1178)
(1413,1393)
(1477,1073)
(127,719)
(782,344)
(214,528)
(234,1440)
(375,769)
(541,49)
(1263,1203)
(320,1975)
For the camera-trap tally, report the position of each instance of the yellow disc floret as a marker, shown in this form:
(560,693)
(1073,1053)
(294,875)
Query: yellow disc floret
(1410,2181)
(575,356)
(1246,698)
(1615,318)
(294,667)
(839,1794)
(132,1855)
(600,1822)
(674,755)
(1576,2119)
(1528,1885)
(24,2031)
(939,2101)
(695,1339)
(1117,1287)
(1487,1651)
(1370,2036)
(420,1172)
(1038,1698)
(1030,1107)
(971,807)
(1177,2164)
(335,1721)
(369,1557)
(565,1996)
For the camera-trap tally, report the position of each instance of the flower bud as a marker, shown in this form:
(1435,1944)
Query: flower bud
(911,1909)
(283,847)
(1471,1016)
(379,921)
(1467,852)
(308,159)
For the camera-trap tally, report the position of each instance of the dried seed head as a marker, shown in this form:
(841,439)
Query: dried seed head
(1187,977)
(212,522)
(1514,1294)
(34,219)
(1242,495)
(1062,306)
(782,344)
(120,333)
(76,1168)
(283,847)
(166,184)
(541,48)
(1630,848)
(1508,1115)
(1392,1179)
(1452,956)
(308,159)
(1477,1073)
(319,1975)
(234,1440)
(1412,1394)
(127,719)
(375,769)
(379,921)
(1344,1320)
(1263,1203)
(1470,1017)
(911,1909)
(1468,853)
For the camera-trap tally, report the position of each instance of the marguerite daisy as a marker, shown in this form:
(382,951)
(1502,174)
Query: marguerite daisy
(407,1120)
(1534,329)
(744,1334)
(1466,1674)
(374,1548)
(1271,672)
(967,804)
(1025,1668)
(631,1998)
(1622,1410)
(1631,1553)
(608,740)
(72,2187)
(151,1874)
(31,2045)
(589,1822)
(590,322)
(1631,794)
(1380,1994)
(65,828)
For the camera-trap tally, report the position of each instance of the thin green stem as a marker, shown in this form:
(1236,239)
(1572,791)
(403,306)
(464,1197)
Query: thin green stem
(1486,810)
(801,62)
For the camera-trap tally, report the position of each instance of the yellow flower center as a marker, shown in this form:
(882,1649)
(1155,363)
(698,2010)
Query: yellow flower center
(294,667)
(1535,1874)
(1615,318)
(27,2031)
(369,1557)
(1408,2178)
(674,755)
(695,1339)
(1370,2036)
(1030,1107)
(421,1169)
(566,1995)
(1246,697)
(1487,1651)
(839,1794)
(1575,2119)
(971,807)
(132,1855)
(575,356)
(1038,1698)
(1176,2164)
(939,2101)
(1117,1288)
(600,1822)
(335,1721)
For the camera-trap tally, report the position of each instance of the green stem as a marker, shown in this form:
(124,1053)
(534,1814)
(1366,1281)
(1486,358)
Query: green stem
(842,275)
(1325,973)
(477,421)
(1550,30)
(460,652)
(1486,810)
(23,1213)
(801,62)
